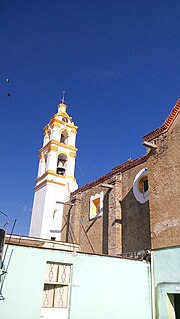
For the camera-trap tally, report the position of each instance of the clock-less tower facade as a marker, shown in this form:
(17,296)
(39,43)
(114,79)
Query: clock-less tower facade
(55,180)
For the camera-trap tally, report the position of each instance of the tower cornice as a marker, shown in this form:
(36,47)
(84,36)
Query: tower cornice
(52,173)
(55,121)
(45,182)
(52,144)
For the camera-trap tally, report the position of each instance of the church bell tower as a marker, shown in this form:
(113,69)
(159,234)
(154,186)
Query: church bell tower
(55,180)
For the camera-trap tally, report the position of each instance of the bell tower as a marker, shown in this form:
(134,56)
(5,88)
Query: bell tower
(55,180)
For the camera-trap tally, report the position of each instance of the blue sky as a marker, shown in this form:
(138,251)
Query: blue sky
(118,62)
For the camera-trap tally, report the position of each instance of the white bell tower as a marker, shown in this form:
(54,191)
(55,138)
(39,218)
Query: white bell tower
(55,179)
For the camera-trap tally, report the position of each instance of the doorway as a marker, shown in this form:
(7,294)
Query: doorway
(177,305)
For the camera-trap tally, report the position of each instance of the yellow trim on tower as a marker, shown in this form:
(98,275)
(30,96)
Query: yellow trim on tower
(57,122)
(52,173)
(72,154)
(64,114)
(69,147)
(74,130)
(46,147)
(53,148)
(72,125)
(48,181)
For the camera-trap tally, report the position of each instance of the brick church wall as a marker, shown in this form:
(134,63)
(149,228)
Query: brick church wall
(124,225)
(164,181)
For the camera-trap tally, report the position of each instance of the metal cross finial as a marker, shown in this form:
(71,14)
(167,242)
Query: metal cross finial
(63,96)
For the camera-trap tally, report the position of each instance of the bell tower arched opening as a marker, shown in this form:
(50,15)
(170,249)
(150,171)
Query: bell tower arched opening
(61,164)
(64,137)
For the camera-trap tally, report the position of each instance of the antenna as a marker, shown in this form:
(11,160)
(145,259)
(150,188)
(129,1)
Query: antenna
(3,271)
(8,244)
(7,221)
(63,100)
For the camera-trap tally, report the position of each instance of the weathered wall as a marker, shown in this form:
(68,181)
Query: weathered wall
(92,235)
(102,287)
(164,181)
(135,216)
(124,225)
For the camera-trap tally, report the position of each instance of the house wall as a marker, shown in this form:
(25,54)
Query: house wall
(102,287)
(166,277)
(124,225)
(164,180)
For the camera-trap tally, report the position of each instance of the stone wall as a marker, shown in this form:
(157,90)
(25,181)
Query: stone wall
(124,225)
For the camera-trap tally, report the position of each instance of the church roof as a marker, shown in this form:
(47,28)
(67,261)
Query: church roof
(118,169)
(166,125)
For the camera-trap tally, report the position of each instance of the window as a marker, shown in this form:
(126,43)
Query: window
(96,205)
(143,184)
(64,119)
(141,187)
(64,137)
(56,286)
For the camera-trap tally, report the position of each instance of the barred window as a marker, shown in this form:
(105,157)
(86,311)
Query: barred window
(56,285)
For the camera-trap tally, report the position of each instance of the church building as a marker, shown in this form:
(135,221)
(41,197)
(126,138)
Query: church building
(133,208)
(112,243)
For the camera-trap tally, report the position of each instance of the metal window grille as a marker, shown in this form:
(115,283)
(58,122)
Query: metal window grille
(56,286)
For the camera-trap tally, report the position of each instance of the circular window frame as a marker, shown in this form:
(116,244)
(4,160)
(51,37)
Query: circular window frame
(138,186)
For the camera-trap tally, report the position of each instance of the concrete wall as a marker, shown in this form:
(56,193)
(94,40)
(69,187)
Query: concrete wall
(166,269)
(164,181)
(102,287)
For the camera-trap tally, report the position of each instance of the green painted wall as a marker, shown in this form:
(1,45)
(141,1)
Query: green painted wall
(166,269)
(102,287)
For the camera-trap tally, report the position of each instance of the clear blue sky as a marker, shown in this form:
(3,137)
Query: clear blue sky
(119,63)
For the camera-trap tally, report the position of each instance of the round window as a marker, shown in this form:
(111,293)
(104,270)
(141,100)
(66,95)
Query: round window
(140,186)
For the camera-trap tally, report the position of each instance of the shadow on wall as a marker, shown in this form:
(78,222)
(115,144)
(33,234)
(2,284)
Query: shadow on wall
(105,222)
(135,224)
(69,234)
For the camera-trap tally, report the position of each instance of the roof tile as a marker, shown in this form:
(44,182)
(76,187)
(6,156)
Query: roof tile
(166,125)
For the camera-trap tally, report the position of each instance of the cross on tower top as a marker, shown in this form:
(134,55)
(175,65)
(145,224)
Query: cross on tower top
(63,100)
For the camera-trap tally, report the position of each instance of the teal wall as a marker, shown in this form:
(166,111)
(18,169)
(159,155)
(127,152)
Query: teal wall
(166,269)
(102,287)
